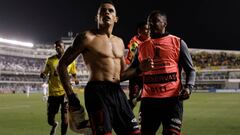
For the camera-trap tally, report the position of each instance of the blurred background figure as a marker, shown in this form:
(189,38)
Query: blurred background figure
(28,89)
(141,36)
(135,84)
(45,91)
(56,91)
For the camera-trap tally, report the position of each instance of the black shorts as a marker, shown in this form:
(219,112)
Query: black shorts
(54,103)
(167,112)
(108,108)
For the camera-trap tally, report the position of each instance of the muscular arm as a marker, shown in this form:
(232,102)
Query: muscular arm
(132,70)
(68,57)
(187,64)
(137,67)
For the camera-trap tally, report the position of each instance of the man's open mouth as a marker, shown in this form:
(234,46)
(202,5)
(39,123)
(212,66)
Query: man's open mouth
(106,18)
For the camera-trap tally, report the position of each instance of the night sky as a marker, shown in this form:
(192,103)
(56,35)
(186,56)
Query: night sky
(208,24)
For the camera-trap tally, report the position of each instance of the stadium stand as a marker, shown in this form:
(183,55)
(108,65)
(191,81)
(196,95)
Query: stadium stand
(217,70)
(20,67)
(215,59)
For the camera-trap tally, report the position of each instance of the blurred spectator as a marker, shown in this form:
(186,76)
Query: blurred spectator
(215,60)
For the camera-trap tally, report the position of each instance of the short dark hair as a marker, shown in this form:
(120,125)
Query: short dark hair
(154,12)
(106,2)
(114,3)
(58,42)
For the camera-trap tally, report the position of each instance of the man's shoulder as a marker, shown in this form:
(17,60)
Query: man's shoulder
(52,58)
(147,42)
(85,35)
(117,38)
(174,36)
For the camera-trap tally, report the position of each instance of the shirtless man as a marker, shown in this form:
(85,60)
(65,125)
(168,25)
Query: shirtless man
(103,53)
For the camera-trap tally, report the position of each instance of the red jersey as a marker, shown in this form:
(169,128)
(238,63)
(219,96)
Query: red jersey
(132,46)
(164,80)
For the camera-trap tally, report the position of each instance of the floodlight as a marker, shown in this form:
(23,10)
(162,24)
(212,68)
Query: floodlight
(17,43)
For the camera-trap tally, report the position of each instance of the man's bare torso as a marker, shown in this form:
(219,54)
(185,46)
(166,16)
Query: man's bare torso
(103,56)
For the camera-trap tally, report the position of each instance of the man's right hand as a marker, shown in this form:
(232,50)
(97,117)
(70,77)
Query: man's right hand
(74,102)
(77,119)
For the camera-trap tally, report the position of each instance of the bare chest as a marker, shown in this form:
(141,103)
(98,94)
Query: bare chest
(104,47)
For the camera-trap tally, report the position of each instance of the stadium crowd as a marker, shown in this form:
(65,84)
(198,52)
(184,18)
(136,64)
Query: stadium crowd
(20,64)
(220,60)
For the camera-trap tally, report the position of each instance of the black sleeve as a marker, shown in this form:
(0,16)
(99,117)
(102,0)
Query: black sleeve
(186,63)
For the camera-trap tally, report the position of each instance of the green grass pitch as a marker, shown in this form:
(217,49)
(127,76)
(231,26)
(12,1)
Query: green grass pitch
(204,114)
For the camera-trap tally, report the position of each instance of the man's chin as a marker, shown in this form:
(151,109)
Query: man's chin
(106,23)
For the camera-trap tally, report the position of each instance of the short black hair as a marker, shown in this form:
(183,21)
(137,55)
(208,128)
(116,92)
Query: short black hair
(154,12)
(115,3)
(107,2)
(58,42)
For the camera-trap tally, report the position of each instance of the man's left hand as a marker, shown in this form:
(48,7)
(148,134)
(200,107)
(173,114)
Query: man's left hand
(184,94)
(146,65)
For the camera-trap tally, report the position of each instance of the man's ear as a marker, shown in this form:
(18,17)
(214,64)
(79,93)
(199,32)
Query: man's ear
(116,19)
(165,24)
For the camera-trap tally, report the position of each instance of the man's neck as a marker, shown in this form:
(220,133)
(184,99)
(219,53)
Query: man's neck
(158,35)
(105,30)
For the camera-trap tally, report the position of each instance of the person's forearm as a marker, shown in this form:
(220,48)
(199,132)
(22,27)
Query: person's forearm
(65,79)
(129,73)
(187,64)
(190,77)
(132,70)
